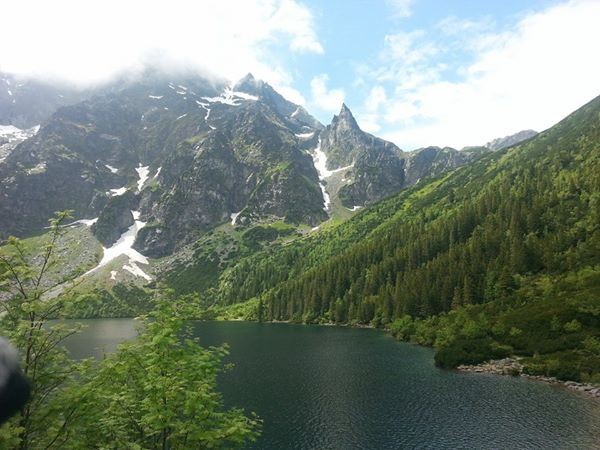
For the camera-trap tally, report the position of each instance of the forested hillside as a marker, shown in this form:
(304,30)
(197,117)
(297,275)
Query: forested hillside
(509,228)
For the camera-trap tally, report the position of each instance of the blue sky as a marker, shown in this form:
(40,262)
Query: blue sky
(402,49)
(416,72)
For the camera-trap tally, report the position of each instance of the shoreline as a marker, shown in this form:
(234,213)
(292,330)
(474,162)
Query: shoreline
(512,367)
(504,367)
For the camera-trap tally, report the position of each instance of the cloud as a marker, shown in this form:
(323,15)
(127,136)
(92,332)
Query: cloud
(529,76)
(291,94)
(88,42)
(401,46)
(401,8)
(375,99)
(369,123)
(329,100)
(297,21)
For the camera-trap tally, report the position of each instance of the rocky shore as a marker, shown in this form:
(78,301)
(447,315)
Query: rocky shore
(512,366)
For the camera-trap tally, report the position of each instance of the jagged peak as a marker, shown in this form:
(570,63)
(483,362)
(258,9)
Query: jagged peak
(251,85)
(247,78)
(345,118)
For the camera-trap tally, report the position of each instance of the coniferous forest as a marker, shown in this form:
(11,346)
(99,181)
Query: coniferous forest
(496,258)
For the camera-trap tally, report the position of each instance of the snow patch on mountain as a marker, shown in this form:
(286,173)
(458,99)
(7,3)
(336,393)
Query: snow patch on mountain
(231,97)
(320,162)
(86,222)
(124,246)
(134,269)
(207,109)
(14,134)
(111,168)
(233,217)
(117,192)
(11,136)
(143,172)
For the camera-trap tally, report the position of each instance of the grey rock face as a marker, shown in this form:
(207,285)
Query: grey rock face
(296,116)
(509,141)
(379,168)
(431,161)
(115,218)
(377,165)
(250,164)
(211,151)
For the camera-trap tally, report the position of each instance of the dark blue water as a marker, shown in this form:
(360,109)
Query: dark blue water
(342,388)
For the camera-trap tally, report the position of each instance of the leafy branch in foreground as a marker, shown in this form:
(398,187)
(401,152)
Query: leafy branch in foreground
(159,392)
(26,307)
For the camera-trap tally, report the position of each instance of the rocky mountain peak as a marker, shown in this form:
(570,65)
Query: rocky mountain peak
(247,78)
(251,85)
(345,120)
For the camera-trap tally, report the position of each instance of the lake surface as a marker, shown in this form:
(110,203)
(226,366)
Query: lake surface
(343,388)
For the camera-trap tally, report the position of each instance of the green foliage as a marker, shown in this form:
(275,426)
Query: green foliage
(470,239)
(261,233)
(573,326)
(159,392)
(122,300)
(250,310)
(469,351)
(26,310)
(515,229)
(156,392)
(544,324)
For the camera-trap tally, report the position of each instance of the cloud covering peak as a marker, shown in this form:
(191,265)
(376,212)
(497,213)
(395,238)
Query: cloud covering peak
(89,42)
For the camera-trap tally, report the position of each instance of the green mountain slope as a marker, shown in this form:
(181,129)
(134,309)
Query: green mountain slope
(518,230)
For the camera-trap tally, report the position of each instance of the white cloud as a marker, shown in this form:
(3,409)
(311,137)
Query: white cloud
(529,76)
(329,100)
(369,123)
(296,20)
(291,94)
(401,46)
(89,41)
(375,99)
(401,8)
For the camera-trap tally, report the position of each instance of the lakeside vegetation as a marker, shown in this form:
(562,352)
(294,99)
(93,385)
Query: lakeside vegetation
(156,392)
